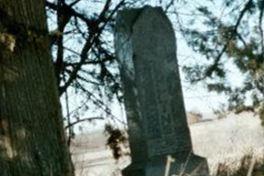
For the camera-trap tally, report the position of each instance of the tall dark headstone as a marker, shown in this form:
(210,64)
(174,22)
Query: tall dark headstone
(146,50)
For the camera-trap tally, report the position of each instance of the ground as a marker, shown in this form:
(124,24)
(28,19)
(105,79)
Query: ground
(225,140)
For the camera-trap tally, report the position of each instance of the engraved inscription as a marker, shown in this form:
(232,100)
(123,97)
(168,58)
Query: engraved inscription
(164,145)
(150,106)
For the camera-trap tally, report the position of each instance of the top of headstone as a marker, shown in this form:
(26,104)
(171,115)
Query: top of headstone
(130,16)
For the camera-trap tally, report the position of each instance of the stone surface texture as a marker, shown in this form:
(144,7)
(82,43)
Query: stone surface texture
(146,51)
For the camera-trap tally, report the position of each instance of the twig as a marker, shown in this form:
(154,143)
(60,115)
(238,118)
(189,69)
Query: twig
(251,167)
(168,165)
(83,120)
(261,29)
(185,164)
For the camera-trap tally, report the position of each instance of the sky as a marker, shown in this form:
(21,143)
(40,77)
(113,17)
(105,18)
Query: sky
(196,97)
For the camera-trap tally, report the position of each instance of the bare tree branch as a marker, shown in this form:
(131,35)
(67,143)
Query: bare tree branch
(212,68)
(261,29)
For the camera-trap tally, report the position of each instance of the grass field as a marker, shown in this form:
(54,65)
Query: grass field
(226,140)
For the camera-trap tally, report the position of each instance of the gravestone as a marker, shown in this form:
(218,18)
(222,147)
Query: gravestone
(157,126)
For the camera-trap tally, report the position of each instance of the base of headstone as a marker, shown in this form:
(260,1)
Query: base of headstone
(137,169)
(185,164)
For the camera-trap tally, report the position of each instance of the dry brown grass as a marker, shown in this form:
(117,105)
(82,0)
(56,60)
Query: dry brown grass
(248,167)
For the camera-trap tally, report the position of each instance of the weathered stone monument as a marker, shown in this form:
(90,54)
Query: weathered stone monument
(146,50)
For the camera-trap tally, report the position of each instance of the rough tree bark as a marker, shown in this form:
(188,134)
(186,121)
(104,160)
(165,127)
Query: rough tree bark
(32,139)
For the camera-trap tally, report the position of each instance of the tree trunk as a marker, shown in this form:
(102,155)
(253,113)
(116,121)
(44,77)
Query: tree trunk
(32,139)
